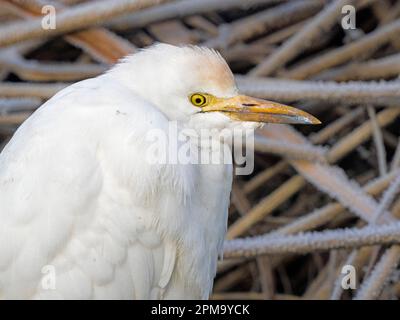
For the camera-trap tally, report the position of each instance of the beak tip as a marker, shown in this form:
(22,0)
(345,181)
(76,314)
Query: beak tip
(308,119)
(315,121)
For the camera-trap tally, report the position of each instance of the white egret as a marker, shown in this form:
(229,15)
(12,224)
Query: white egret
(84,215)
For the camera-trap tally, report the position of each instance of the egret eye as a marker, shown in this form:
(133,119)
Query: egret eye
(198,100)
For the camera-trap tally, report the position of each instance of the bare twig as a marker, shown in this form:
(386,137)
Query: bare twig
(261,22)
(35,71)
(350,92)
(312,241)
(372,287)
(77,17)
(289,150)
(327,213)
(396,158)
(378,140)
(293,185)
(321,23)
(346,53)
(373,69)
(180,9)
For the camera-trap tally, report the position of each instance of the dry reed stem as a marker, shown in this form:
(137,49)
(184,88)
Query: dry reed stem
(288,90)
(316,96)
(262,22)
(396,158)
(239,200)
(100,43)
(320,24)
(382,68)
(261,178)
(329,179)
(361,134)
(358,258)
(71,19)
(320,137)
(378,140)
(387,198)
(349,92)
(327,213)
(293,185)
(313,241)
(34,71)
(280,35)
(337,289)
(372,287)
(237,296)
(22,89)
(341,55)
(265,206)
(180,9)
(289,150)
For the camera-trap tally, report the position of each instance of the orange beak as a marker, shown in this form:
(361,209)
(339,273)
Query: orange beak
(246,108)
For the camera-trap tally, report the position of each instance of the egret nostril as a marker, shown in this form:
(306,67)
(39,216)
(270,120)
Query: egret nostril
(248,104)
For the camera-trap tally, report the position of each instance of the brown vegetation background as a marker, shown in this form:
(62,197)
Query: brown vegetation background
(320,197)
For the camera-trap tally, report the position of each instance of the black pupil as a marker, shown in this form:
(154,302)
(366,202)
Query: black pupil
(198,100)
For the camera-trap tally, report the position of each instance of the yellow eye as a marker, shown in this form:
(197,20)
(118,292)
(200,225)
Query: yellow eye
(199,100)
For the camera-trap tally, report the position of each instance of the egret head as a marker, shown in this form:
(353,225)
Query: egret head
(195,86)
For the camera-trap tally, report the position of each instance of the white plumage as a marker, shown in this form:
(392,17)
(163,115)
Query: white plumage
(77,194)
